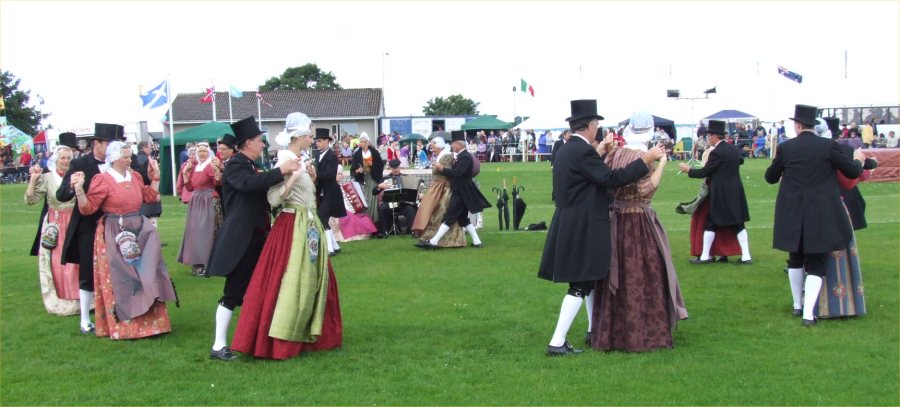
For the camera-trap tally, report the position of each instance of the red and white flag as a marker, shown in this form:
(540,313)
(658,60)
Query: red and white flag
(261,100)
(209,97)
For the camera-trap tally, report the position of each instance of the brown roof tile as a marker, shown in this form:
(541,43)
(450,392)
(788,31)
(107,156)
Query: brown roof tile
(315,103)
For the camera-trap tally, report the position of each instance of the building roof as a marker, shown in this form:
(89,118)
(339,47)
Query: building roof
(349,103)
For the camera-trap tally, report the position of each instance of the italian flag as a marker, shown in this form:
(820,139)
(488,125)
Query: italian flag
(526,87)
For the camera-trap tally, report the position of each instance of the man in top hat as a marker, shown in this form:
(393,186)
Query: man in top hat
(727,201)
(328,191)
(464,195)
(394,180)
(810,220)
(247,222)
(79,244)
(577,250)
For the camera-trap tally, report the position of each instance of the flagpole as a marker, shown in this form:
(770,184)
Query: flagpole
(230,112)
(214,100)
(258,107)
(171,132)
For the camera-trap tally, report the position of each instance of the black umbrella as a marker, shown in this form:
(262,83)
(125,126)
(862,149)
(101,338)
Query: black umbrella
(518,205)
(502,207)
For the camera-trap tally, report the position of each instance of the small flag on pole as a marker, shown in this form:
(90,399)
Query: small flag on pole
(209,96)
(261,100)
(235,92)
(525,87)
(156,97)
(790,74)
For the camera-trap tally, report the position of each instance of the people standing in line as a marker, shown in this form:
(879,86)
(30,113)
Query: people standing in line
(59,282)
(328,191)
(577,249)
(434,204)
(130,276)
(810,220)
(292,304)
(465,197)
(247,222)
(638,306)
(204,211)
(141,164)
(79,243)
(727,201)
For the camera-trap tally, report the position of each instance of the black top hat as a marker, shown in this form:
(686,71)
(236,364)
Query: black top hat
(68,139)
(833,123)
(805,114)
(108,132)
(227,140)
(245,129)
(323,134)
(394,163)
(716,127)
(457,135)
(584,109)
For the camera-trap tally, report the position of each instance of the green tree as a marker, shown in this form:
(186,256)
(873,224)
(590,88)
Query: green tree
(308,76)
(453,105)
(18,110)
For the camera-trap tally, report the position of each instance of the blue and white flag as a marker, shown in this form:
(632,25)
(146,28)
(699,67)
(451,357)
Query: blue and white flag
(234,91)
(790,74)
(156,97)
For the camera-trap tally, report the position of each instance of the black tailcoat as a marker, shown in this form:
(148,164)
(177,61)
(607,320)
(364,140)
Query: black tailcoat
(808,207)
(79,225)
(331,199)
(727,202)
(578,242)
(461,184)
(244,190)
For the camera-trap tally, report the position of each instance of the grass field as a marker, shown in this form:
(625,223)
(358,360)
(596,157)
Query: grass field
(470,327)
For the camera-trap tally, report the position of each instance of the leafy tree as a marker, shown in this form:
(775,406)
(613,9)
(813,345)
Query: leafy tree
(19,112)
(308,76)
(453,105)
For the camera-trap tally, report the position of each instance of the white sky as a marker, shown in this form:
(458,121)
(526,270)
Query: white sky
(87,59)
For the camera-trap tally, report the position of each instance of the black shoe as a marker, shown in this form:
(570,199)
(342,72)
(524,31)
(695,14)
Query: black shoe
(223,354)
(797,313)
(809,322)
(337,251)
(563,350)
(424,244)
(698,261)
(380,235)
(744,262)
(332,254)
(723,259)
(477,246)
(587,338)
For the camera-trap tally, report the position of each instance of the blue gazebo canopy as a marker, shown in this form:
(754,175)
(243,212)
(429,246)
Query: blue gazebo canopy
(730,115)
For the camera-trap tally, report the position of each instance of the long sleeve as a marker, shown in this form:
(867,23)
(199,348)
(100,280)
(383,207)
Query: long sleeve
(242,178)
(601,174)
(275,195)
(148,194)
(98,193)
(712,164)
(846,165)
(40,190)
(65,193)
(773,173)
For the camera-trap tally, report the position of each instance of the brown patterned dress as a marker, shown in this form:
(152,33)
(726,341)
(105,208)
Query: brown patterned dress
(433,206)
(637,307)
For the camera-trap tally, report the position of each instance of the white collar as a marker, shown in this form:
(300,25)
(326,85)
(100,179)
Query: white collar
(118,177)
(579,136)
(202,166)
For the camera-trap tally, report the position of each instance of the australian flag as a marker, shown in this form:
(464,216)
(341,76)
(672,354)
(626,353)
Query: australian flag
(790,74)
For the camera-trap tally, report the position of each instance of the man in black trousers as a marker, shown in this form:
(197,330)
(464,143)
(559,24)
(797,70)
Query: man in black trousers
(328,191)
(810,220)
(464,195)
(727,201)
(79,243)
(247,222)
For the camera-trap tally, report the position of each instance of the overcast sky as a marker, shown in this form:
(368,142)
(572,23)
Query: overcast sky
(88,59)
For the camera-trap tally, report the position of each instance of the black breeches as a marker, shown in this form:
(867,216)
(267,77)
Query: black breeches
(581,289)
(85,246)
(709,226)
(456,212)
(238,280)
(813,263)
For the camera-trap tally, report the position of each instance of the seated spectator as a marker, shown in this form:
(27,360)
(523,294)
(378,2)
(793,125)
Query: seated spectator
(890,141)
(760,146)
(404,156)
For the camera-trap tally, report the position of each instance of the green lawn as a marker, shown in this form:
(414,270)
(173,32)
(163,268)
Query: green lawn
(470,327)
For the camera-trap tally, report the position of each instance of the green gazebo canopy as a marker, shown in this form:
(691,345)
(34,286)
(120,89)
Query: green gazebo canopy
(205,132)
(486,123)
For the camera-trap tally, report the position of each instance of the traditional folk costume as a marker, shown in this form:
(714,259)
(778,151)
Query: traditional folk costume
(131,279)
(810,219)
(329,197)
(292,302)
(637,307)
(202,219)
(373,174)
(59,282)
(434,205)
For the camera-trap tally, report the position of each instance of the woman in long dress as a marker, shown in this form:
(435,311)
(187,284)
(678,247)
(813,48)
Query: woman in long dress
(367,169)
(292,304)
(204,212)
(59,282)
(434,204)
(130,278)
(637,307)
(183,193)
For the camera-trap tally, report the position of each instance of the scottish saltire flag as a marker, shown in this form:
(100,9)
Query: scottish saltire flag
(790,74)
(156,97)
(234,91)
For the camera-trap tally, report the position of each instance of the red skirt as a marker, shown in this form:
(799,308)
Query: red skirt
(725,243)
(252,333)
